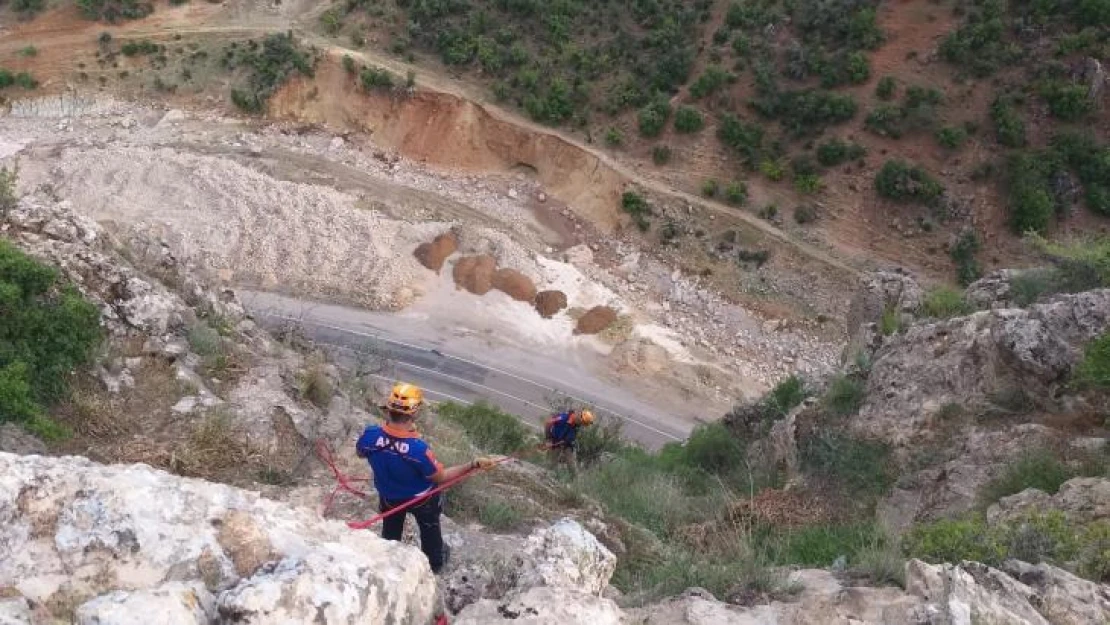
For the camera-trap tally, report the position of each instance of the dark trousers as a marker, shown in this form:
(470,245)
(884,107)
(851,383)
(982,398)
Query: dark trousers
(427,519)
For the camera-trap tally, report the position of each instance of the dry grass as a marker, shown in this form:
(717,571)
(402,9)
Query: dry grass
(214,449)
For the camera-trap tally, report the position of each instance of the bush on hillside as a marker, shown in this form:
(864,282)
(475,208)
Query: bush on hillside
(661,154)
(884,89)
(375,78)
(943,303)
(490,428)
(653,118)
(1094,369)
(46,331)
(687,120)
(638,208)
(862,466)
(112,10)
(844,396)
(1009,127)
(1031,204)
(979,44)
(1039,468)
(904,182)
(836,151)
(963,254)
(741,137)
(1068,102)
(268,66)
(709,82)
(951,137)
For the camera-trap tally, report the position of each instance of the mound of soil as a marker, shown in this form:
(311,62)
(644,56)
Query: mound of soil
(639,357)
(475,273)
(432,255)
(550,302)
(595,320)
(515,284)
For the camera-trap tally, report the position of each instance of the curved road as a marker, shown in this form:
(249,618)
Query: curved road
(456,369)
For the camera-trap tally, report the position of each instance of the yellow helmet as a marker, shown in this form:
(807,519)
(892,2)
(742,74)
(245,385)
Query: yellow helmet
(586,417)
(405,398)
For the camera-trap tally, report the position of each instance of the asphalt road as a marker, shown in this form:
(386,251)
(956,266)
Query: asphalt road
(358,336)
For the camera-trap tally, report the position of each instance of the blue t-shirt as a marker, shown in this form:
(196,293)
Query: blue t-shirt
(562,429)
(401,461)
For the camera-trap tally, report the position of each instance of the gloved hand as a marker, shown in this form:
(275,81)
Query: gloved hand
(487,462)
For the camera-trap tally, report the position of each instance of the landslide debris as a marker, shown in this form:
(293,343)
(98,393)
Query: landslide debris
(595,320)
(514,284)
(433,254)
(475,273)
(550,302)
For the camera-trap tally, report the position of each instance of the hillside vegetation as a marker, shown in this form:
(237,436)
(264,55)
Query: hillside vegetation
(778,85)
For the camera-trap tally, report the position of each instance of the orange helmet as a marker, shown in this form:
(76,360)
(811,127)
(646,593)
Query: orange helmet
(405,398)
(586,417)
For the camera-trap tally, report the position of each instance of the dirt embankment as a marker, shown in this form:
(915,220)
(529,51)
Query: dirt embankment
(445,130)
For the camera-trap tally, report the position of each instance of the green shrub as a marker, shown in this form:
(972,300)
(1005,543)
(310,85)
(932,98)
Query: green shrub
(809,183)
(375,78)
(1067,101)
(709,82)
(268,66)
(331,20)
(736,193)
(687,120)
(710,187)
(604,437)
(862,466)
(963,254)
(1030,204)
(979,44)
(713,448)
(316,387)
(773,169)
(817,545)
(349,65)
(886,120)
(498,515)
(835,151)
(944,303)
(1009,127)
(884,89)
(136,48)
(808,111)
(112,10)
(891,322)
(638,208)
(46,331)
(951,137)
(653,118)
(1094,552)
(1094,369)
(614,137)
(491,429)
(8,196)
(661,154)
(743,138)
(28,51)
(28,7)
(1039,468)
(904,182)
(954,540)
(844,396)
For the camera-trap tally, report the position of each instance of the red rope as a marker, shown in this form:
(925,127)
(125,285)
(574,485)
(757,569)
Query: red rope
(361,525)
(343,483)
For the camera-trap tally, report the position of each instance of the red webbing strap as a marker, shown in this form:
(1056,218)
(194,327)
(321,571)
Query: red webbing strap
(343,483)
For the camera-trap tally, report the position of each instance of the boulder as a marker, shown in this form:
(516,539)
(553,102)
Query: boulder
(566,555)
(514,284)
(432,255)
(879,292)
(822,600)
(992,291)
(579,255)
(14,439)
(550,302)
(972,593)
(1064,599)
(174,603)
(475,273)
(1083,500)
(595,320)
(69,526)
(15,611)
(542,606)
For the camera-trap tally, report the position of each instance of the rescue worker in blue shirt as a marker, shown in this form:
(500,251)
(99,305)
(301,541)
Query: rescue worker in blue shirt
(561,431)
(405,468)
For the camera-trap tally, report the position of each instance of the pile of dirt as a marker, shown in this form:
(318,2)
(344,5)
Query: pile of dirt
(432,255)
(515,284)
(595,320)
(475,273)
(550,302)
(639,356)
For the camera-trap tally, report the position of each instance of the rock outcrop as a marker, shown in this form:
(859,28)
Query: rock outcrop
(970,361)
(880,292)
(1082,500)
(992,291)
(561,565)
(119,543)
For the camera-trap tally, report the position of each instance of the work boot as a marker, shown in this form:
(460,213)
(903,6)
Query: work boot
(446,558)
